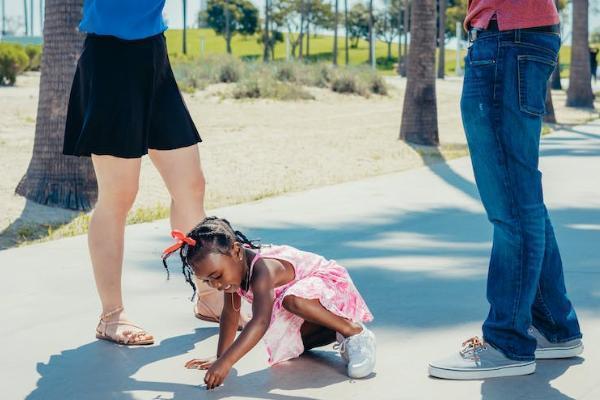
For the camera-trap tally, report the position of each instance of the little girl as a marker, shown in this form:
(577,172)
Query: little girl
(299,300)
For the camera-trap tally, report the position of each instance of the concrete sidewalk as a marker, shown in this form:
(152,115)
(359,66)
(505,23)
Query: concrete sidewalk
(416,244)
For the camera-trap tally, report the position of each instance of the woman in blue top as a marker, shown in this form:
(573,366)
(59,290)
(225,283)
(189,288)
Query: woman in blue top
(125,103)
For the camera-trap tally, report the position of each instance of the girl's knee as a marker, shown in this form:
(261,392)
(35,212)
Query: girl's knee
(292,304)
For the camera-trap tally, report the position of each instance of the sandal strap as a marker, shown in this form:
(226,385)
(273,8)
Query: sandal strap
(111,313)
(123,323)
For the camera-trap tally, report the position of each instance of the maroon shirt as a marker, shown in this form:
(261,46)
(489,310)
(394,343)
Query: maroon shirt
(511,14)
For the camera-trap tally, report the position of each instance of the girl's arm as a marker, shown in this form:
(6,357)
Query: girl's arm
(255,329)
(228,325)
(262,307)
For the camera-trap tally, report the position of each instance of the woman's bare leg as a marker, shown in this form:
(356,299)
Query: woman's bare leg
(182,172)
(117,187)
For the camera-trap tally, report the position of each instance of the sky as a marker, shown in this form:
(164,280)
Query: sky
(173,12)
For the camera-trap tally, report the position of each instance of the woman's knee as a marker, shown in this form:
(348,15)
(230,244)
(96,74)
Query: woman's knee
(118,199)
(191,191)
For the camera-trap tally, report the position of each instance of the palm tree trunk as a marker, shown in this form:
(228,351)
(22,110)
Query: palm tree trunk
(400,31)
(31,14)
(308,37)
(402,66)
(335,33)
(266,37)
(550,117)
(371,34)
(580,92)
(301,34)
(26,15)
(51,178)
(346,44)
(419,115)
(184,46)
(41,17)
(2,2)
(442,41)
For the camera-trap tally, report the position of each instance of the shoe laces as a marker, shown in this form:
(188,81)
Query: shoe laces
(472,347)
(341,346)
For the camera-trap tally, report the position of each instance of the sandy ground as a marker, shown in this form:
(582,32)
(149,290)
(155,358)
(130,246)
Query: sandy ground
(254,149)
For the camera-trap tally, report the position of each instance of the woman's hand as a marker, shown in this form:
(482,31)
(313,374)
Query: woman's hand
(202,363)
(216,374)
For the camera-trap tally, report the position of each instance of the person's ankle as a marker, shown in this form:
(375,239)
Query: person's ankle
(352,330)
(113,313)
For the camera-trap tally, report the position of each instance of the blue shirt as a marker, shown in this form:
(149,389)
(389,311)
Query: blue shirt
(126,19)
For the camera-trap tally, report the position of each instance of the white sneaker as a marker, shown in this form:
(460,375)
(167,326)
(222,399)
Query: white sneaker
(338,346)
(547,350)
(359,353)
(479,360)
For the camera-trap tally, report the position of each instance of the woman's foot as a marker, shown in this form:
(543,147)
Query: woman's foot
(115,327)
(209,305)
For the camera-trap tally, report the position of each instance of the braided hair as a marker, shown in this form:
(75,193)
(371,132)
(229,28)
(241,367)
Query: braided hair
(212,235)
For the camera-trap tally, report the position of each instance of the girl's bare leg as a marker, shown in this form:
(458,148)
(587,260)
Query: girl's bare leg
(313,311)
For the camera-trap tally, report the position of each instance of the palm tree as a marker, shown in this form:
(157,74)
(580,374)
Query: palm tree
(26,15)
(51,178)
(549,117)
(580,92)
(346,44)
(419,115)
(371,35)
(3,17)
(442,40)
(31,16)
(184,49)
(266,34)
(335,33)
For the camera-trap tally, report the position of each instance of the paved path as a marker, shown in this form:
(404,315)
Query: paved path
(416,244)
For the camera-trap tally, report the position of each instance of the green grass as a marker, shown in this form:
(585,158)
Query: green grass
(32,232)
(320,49)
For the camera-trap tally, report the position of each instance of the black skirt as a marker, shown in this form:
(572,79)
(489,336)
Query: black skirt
(124,100)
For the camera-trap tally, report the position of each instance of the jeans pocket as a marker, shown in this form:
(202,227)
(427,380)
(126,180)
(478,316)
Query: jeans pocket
(533,74)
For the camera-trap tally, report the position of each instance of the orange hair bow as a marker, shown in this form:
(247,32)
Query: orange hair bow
(181,240)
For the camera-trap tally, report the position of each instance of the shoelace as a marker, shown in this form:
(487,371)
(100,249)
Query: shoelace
(472,347)
(341,346)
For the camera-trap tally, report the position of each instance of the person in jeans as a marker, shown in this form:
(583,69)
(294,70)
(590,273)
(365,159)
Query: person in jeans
(513,50)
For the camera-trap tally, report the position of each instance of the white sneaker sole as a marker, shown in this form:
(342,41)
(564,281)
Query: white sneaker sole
(483,373)
(559,352)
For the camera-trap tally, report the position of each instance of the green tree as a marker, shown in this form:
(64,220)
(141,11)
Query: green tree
(230,17)
(386,24)
(358,24)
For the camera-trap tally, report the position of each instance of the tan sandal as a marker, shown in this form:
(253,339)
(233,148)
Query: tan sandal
(210,314)
(135,338)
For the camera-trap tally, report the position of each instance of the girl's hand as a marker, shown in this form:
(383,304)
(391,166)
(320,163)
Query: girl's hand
(203,363)
(216,374)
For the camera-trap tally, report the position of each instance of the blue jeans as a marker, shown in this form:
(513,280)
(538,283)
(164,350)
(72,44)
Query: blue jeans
(502,107)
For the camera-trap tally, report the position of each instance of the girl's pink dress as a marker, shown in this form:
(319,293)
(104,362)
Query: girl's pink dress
(316,278)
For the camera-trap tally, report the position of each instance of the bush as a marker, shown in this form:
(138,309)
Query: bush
(347,81)
(230,70)
(34,52)
(13,61)
(263,86)
(377,85)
